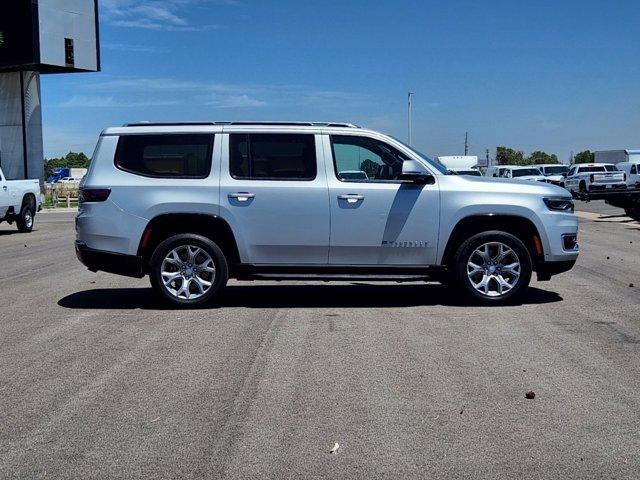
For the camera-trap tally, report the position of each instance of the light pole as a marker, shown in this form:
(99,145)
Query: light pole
(409,108)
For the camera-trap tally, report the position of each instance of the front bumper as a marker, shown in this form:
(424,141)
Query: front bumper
(545,270)
(118,263)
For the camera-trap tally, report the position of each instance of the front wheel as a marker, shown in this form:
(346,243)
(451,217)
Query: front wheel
(493,267)
(583,187)
(188,270)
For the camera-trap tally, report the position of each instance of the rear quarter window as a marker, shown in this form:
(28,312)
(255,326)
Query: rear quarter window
(166,156)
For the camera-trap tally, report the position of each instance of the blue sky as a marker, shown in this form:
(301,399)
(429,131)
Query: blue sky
(551,75)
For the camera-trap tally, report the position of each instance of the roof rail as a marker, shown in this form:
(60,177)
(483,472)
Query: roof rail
(300,124)
(167,124)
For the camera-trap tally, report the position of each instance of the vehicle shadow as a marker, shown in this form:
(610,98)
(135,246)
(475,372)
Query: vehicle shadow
(295,296)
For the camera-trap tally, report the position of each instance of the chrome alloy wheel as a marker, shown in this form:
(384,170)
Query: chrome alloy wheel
(188,272)
(28,219)
(493,269)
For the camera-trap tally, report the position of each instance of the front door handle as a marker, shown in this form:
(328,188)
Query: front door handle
(351,197)
(242,196)
(4,188)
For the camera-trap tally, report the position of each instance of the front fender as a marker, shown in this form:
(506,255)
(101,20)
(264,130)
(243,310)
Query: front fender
(451,217)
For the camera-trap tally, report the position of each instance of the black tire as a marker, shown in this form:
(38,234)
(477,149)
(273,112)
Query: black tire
(633,212)
(459,268)
(25,218)
(583,187)
(181,242)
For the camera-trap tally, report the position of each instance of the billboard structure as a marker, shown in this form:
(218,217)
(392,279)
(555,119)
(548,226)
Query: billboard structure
(38,36)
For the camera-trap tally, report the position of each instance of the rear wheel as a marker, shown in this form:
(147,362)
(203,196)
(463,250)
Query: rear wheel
(633,212)
(493,267)
(25,218)
(188,270)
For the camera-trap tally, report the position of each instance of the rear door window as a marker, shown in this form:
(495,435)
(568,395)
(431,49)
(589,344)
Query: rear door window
(266,156)
(166,156)
(591,169)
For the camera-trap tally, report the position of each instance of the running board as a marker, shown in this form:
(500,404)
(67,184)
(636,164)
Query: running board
(337,277)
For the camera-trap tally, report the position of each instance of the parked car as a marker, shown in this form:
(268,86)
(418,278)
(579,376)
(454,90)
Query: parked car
(19,202)
(460,171)
(522,173)
(354,175)
(192,205)
(494,171)
(587,177)
(554,173)
(70,180)
(632,171)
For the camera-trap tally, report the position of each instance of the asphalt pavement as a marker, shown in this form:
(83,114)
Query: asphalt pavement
(100,381)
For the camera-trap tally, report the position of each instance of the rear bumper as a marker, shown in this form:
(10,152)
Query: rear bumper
(606,186)
(546,270)
(118,263)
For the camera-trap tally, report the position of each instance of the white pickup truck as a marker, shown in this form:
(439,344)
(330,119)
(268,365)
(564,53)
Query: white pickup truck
(19,202)
(589,177)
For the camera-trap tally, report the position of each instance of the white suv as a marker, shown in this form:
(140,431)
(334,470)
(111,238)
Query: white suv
(191,205)
(519,172)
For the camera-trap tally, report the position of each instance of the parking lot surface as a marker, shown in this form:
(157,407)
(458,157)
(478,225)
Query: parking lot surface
(99,380)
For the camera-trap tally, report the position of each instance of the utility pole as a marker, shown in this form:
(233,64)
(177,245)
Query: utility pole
(466,143)
(487,152)
(409,108)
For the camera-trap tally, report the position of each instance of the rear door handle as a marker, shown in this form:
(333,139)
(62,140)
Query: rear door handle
(241,196)
(351,197)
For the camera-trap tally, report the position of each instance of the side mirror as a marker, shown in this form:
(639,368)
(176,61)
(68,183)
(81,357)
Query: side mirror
(414,171)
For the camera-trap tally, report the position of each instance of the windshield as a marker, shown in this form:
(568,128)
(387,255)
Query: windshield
(434,163)
(559,170)
(525,172)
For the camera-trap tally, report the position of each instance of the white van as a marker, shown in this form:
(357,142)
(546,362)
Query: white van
(632,169)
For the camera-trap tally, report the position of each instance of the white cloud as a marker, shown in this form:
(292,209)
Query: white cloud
(126,47)
(141,84)
(165,15)
(82,101)
(242,93)
(236,101)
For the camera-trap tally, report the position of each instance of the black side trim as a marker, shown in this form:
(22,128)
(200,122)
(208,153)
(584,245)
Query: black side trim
(545,270)
(118,263)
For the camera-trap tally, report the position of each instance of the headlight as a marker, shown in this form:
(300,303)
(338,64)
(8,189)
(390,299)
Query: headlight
(559,204)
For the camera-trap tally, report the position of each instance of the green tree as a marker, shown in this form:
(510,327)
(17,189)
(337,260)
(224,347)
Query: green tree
(70,160)
(369,167)
(584,157)
(509,156)
(539,157)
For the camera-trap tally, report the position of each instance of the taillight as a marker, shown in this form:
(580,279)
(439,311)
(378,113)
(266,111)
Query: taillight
(93,194)
(591,177)
(624,176)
